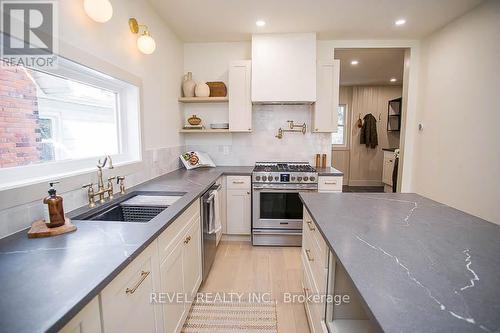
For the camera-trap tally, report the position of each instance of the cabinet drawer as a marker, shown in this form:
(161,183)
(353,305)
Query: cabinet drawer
(168,238)
(87,320)
(238,183)
(329,184)
(315,262)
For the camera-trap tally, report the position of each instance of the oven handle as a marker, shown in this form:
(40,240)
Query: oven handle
(259,188)
(277,233)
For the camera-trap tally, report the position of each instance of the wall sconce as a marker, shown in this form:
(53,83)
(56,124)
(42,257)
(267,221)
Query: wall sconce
(98,10)
(145,43)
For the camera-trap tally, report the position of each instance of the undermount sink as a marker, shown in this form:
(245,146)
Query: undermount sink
(139,207)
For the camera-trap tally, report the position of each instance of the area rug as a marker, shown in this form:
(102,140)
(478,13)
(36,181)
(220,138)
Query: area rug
(229,317)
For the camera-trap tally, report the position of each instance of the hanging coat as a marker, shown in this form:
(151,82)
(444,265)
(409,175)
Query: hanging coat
(368,135)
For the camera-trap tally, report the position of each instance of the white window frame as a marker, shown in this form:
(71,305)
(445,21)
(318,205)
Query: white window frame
(129,129)
(345,145)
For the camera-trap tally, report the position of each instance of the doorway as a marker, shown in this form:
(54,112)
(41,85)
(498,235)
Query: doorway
(370,118)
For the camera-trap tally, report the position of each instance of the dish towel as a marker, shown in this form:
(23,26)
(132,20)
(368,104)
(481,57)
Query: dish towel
(217,218)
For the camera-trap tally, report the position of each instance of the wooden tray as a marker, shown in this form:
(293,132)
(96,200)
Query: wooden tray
(39,229)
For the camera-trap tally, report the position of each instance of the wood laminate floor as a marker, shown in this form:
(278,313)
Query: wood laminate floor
(240,267)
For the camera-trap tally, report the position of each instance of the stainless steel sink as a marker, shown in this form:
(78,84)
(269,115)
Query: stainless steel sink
(139,207)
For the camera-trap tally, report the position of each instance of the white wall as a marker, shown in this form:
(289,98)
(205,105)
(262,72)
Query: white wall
(113,46)
(210,62)
(161,72)
(457,155)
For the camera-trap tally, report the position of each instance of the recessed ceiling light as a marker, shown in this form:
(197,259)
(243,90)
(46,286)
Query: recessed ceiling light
(393,79)
(400,22)
(354,62)
(260,23)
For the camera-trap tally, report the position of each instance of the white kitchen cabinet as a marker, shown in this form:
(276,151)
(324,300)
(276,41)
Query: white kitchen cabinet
(325,113)
(88,320)
(330,183)
(238,205)
(125,301)
(180,266)
(387,170)
(284,67)
(240,103)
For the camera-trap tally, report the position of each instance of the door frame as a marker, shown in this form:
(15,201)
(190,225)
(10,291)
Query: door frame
(409,120)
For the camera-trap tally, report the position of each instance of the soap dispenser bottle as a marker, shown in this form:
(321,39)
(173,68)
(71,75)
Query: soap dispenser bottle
(55,211)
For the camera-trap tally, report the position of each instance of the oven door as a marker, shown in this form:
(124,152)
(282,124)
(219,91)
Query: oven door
(278,207)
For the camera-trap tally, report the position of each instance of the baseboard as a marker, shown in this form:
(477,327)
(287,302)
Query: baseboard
(236,238)
(365,183)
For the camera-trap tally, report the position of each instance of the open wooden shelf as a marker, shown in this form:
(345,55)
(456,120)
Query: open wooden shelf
(206,130)
(203,99)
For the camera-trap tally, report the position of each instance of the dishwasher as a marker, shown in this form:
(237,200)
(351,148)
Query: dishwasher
(210,226)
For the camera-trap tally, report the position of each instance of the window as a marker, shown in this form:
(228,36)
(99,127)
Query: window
(340,138)
(58,122)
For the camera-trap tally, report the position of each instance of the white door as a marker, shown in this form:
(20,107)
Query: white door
(172,283)
(240,103)
(325,115)
(238,212)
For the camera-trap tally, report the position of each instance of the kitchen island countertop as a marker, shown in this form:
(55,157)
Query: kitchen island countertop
(418,265)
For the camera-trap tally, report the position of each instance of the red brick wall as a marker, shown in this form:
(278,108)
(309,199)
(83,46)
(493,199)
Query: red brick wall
(20,140)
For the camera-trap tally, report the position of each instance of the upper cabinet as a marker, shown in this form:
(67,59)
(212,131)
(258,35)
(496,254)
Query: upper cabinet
(325,117)
(240,103)
(284,68)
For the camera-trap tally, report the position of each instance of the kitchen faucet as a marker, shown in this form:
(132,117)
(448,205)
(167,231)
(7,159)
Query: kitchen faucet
(101,190)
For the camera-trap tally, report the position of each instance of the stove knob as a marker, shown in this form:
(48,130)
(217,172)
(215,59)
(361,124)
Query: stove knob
(293,178)
(306,178)
(312,178)
(276,178)
(257,177)
(264,178)
(299,179)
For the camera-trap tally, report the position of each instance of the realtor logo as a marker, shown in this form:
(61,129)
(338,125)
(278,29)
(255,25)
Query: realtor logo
(29,31)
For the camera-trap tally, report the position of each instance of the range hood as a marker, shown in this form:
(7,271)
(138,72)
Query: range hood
(284,68)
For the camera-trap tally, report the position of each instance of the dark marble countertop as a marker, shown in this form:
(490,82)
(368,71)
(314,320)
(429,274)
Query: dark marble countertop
(419,266)
(329,171)
(44,282)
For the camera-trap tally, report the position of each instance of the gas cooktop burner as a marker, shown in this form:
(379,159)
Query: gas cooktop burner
(283,167)
(281,172)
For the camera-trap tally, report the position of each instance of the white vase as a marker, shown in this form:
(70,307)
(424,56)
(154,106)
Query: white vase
(188,85)
(202,90)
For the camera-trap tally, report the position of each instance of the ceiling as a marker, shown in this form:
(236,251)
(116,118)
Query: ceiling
(234,20)
(375,67)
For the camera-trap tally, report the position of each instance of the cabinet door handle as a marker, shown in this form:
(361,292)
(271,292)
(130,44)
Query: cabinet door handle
(188,238)
(330,183)
(308,254)
(306,292)
(238,182)
(311,227)
(144,275)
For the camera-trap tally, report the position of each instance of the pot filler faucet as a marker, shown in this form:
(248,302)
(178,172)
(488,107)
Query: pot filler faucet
(101,190)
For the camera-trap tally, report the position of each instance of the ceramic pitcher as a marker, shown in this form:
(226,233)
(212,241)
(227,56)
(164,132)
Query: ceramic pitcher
(188,85)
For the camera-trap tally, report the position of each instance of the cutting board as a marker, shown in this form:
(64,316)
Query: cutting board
(39,229)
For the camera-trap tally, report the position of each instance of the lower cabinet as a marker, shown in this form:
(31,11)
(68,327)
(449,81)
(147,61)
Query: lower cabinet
(180,267)
(170,269)
(125,302)
(88,320)
(238,203)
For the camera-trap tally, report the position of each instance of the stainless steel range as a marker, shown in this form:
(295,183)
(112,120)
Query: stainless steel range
(276,206)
